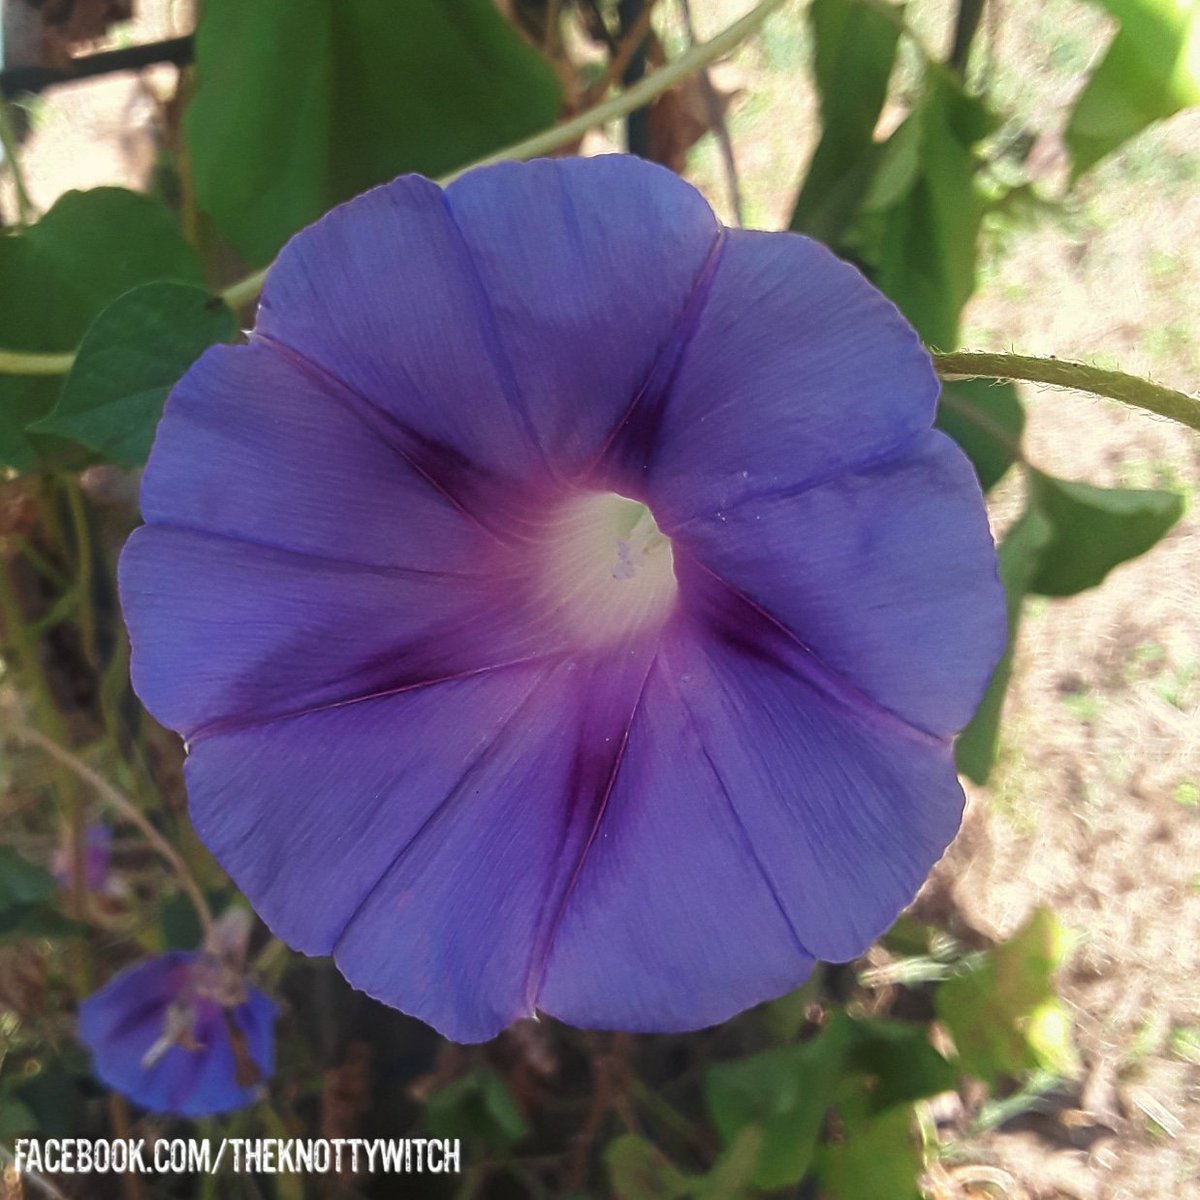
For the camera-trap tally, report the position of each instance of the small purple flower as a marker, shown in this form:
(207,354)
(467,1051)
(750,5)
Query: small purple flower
(181,1033)
(566,601)
(97,847)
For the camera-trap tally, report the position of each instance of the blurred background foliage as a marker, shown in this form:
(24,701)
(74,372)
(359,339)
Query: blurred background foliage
(922,158)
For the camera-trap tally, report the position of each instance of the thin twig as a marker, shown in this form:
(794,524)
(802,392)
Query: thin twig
(716,120)
(12,155)
(550,38)
(129,812)
(626,49)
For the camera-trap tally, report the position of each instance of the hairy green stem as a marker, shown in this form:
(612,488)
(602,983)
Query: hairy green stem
(1113,385)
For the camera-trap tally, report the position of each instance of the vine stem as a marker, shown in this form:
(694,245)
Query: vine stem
(1113,385)
(245,290)
(129,811)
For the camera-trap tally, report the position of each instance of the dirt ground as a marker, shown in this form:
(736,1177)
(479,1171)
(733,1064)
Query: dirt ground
(1095,806)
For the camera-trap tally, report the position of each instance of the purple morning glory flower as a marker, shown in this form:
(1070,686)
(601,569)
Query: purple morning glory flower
(565,600)
(181,1033)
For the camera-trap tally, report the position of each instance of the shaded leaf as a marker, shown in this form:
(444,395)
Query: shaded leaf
(1004,1014)
(898,1062)
(130,357)
(851,41)
(786,1092)
(986,419)
(16,1117)
(1095,529)
(37,921)
(479,1106)
(85,252)
(303,103)
(21,882)
(638,1170)
(919,234)
(1020,556)
(733,1173)
(1151,71)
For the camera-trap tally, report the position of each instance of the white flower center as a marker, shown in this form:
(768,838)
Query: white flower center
(608,569)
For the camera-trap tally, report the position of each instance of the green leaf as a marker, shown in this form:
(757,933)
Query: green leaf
(1096,529)
(1020,556)
(477,1106)
(852,41)
(25,895)
(638,1170)
(130,357)
(898,1062)
(37,921)
(986,419)
(21,883)
(16,1117)
(303,103)
(733,1173)
(785,1092)
(1004,1015)
(1151,70)
(878,1158)
(921,247)
(85,252)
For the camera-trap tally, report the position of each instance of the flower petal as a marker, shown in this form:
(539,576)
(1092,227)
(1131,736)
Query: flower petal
(588,294)
(798,370)
(489,338)
(381,296)
(756,823)
(213,1085)
(886,574)
(132,996)
(251,448)
(226,632)
(127,1017)
(462,809)
(672,923)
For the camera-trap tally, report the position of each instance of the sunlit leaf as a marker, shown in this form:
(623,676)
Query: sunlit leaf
(303,103)
(1005,1015)
(1151,71)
